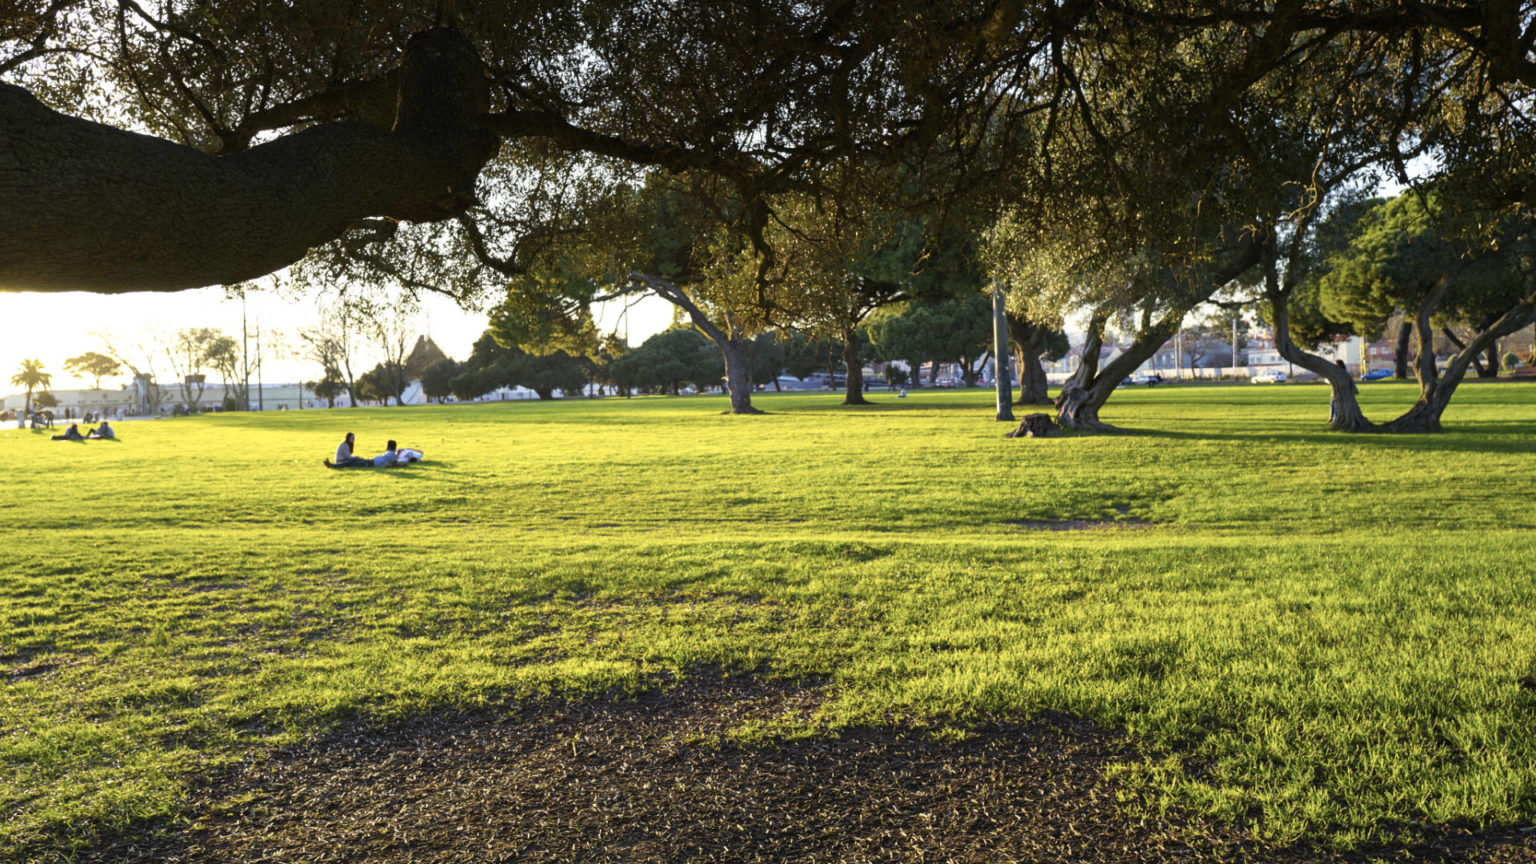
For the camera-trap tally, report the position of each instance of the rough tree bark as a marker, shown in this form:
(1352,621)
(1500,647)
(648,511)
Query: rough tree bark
(1434,391)
(853,366)
(1029,341)
(1077,407)
(738,377)
(1073,401)
(1400,355)
(88,206)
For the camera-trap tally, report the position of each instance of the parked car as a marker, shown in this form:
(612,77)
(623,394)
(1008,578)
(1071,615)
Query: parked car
(1376,375)
(1269,376)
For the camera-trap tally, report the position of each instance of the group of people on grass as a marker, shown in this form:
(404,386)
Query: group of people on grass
(104,432)
(392,456)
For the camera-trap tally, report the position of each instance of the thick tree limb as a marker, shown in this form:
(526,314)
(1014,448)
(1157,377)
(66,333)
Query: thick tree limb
(369,100)
(529,124)
(89,207)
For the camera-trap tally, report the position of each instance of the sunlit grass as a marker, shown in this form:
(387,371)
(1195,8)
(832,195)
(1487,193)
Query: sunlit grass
(1320,636)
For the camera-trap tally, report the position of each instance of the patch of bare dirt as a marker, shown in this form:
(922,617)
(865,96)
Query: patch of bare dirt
(650,780)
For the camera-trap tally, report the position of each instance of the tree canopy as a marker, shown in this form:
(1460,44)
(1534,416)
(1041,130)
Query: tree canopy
(492,365)
(277,130)
(95,365)
(1134,156)
(667,361)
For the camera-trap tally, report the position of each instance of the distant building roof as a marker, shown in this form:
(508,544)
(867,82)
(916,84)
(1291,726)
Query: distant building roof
(423,356)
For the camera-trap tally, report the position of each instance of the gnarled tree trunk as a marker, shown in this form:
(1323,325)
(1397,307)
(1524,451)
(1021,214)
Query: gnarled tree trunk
(1437,387)
(1434,390)
(1029,341)
(1077,407)
(1347,416)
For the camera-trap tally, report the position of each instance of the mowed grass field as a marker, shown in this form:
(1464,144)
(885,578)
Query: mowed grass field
(1322,637)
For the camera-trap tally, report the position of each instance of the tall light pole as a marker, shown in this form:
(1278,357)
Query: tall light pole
(1000,355)
(245,356)
(1234,344)
(261,404)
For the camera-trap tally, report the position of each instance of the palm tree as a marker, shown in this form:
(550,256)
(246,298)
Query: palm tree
(31,377)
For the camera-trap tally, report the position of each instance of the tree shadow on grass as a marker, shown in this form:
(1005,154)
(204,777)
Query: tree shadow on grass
(661,778)
(1482,437)
(427,470)
(894,405)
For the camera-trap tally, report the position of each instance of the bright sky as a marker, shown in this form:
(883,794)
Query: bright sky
(53,327)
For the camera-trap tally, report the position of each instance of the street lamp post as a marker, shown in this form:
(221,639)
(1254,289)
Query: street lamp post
(1000,355)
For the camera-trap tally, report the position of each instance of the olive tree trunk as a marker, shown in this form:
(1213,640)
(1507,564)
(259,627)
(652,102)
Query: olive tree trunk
(738,375)
(1436,387)
(1028,341)
(1347,416)
(1077,406)
(853,366)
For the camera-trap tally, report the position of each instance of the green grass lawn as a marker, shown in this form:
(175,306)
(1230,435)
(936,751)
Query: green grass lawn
(1320,636)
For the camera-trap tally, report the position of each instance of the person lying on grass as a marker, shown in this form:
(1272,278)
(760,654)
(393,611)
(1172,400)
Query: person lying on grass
(387,458)
(394,455)
(71,434)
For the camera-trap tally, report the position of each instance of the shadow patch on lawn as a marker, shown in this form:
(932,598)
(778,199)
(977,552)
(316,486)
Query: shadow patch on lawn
(657,779)
(1078,524)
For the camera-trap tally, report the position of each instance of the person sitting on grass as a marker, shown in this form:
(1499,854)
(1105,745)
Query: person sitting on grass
(102,432)
(345,457)
(71,434)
